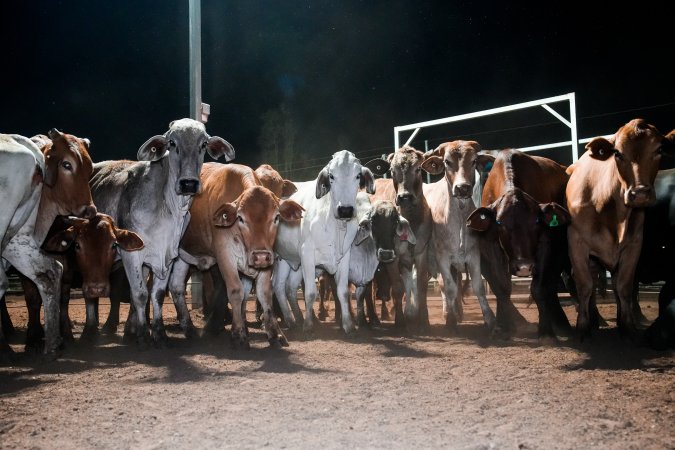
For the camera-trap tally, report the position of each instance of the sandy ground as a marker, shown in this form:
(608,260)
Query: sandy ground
(376,390)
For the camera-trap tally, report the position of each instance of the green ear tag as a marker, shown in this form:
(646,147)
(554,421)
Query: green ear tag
(554,221)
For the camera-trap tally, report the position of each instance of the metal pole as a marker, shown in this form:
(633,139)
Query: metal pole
(195,39)
(195,14)
(573,127)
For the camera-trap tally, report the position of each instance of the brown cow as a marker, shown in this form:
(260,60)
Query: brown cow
(453,245)
(606,194)
(87,249)
(522,233)
(273,181)
(234,224)
(405,189)
(64,191)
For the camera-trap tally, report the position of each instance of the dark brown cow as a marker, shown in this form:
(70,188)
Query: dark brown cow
(522,226)
(234,224)
(87,249)
(273,181)
(606,194)
(405,190)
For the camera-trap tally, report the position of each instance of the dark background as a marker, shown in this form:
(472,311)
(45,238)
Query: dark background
(343,72)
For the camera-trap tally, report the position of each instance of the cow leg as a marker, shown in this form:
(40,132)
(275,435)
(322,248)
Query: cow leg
(661,334)
(119,290)
(333,293)
(34,331)
(421,273)
(90,331)
(393,272)
(323,297)
(412,307)
(6,352)
(136,325)
(583,278)
(157,294)
(623,282)
(343,294)
(24,254)
(308,271)
(282,271)
(479,291)
(494,268)
(6,324)
(263,289)
(177,283)
(370,304)
(361,320)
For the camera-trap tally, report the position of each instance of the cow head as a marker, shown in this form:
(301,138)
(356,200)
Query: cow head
(256,214)
(185,145)
(273,181)
(68,168)
(343,176)
(95,243)
(405,165)
(636,150)
(518,221)
(389,230)
(459,160)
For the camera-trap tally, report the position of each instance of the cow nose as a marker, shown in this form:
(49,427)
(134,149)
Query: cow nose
(639,195)
(260,259)
(101,289)
(385,256)
(88,212)
(345,212)
(188,186)
(461,190)
(523,268)
(406,197)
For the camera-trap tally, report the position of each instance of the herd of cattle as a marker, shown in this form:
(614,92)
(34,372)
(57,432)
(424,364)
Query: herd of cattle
(65,221)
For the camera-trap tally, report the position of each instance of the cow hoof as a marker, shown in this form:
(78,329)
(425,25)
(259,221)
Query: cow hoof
(278,342)
(548,341)
(384,312)
(191,332)
(89,335)
(323,315)
(563,329)
(502,333)
(7,355)
(241,343)
(109,329)
(50,356)
(160,339)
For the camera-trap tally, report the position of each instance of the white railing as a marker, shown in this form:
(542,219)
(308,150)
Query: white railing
(571,123)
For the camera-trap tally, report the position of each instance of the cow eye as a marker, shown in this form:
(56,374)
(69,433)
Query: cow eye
(659,151)
(115,245)
(66,165)
(418,169)
(358,177)
(203,145)
(277,218)
(447,163)
(172,143)
(241,219)
(618,155)
(77,246)
(330,175)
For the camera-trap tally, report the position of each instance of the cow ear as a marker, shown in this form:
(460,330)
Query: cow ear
(42,141)
(61,241)
(218,147)
(364,231)
(322,183)
(481,219)
(554,215)
(601,148)
(153,149)
(433,164)
(404,232)
(86,142)
(484,162)
(226,215)
(288,189)
(668,146)
(290,210)
(367,180)
(128,240)
(379,166)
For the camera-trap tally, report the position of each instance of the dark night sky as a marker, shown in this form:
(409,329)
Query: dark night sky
(349,71)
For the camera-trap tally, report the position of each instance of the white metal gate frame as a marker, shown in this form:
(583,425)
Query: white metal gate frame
(571,123)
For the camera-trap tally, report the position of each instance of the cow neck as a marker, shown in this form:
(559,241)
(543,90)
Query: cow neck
(341,228)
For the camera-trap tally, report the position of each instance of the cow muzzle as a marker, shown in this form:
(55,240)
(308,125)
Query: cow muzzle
(87,212)
(385,256)
(188,186)
(462,190)
(96,289)
(260,259)
(345,212)
(638,197)
(404,198)
(522,268)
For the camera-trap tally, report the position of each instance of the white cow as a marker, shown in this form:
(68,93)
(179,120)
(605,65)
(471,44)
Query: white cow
(323,238)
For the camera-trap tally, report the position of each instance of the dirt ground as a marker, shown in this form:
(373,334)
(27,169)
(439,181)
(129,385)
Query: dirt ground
(375,390)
